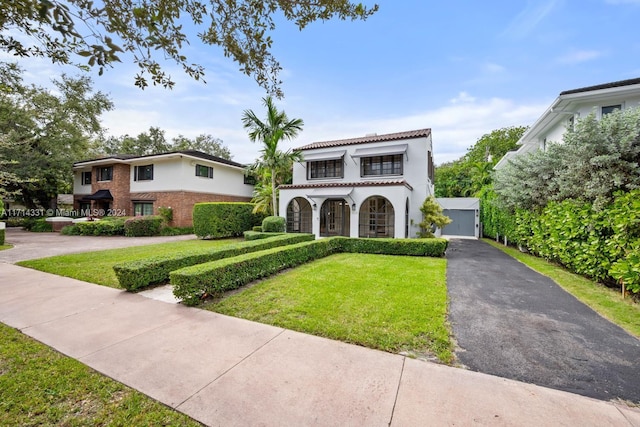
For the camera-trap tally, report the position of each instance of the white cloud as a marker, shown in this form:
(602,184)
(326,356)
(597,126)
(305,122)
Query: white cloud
(455,126)
(529,18)
(579,56)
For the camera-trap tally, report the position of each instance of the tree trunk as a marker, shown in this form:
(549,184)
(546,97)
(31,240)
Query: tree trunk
(274,197)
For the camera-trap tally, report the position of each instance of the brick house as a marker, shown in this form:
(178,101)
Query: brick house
(126,185)
(371,186)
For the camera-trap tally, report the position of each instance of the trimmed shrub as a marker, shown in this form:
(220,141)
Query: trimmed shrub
(212,278)
(176,231)
(257,228)
(192,283)
(219,220)
(430,247)
(143,226)
(38,225)
(255,235)
(138,274)
(103,227)
(70,230)
(2,236)
(274,224)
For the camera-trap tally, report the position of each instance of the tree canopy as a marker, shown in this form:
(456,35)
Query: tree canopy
(597,159)
(43,132)
(155,142)
(68,31)
(466,176)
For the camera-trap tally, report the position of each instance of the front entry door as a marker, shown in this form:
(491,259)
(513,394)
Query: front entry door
(335,218)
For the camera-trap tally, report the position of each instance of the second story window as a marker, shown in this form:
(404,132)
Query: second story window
(325,169)
(204,171)
(610,109)
(143,173)
(381,165)
(86,178)
(105,173)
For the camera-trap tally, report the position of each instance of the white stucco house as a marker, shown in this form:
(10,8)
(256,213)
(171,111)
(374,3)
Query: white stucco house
(128,185)
(570,106)
(371,186)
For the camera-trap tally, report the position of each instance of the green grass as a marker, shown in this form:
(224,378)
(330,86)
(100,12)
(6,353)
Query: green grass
(605,301)
(3,247)
(41,387)
(391,303)
(97,267)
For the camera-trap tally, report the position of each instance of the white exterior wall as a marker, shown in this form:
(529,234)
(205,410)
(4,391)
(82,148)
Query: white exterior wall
(178,174)
(415,173)
(78,187)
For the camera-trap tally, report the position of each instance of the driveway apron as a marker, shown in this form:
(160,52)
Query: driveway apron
(512,322)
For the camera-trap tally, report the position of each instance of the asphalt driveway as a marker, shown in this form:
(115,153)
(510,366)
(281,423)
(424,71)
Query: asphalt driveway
(28,245)
(512,322)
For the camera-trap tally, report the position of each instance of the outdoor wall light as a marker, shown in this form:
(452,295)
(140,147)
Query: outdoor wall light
(315,206)
(353,207)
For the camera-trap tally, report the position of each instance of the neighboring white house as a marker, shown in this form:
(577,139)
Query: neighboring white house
(570,106)
(138,185)
(372,186)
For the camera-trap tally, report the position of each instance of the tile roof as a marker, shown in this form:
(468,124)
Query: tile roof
(370,138)
(347,184)
(620,83)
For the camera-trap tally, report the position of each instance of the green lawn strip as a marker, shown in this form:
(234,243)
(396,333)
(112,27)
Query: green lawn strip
(605,301)
(391,303)
(39,386)
(3,247)
(97,267)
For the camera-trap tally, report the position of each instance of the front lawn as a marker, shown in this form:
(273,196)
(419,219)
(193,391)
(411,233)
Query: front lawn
(97,267)
(605,301)
(39,386)
(3,247)
(391,303)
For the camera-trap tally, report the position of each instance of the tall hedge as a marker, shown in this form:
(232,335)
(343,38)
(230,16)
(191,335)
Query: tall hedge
(218,220)
(603,244)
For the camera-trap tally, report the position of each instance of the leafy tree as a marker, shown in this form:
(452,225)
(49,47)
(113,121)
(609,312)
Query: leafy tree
(466,176)
(152,142)
(432,217)
(68,30)
(44,132)
(204,143)
(274,165)
(596,160)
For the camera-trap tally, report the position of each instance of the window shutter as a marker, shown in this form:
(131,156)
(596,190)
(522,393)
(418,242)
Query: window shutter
(210,172)
(135,173)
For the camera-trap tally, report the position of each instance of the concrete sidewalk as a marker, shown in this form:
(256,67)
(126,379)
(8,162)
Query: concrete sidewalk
(231,372)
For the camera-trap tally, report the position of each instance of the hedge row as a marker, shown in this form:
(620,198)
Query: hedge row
(212,278)
(103,227)
(192,283)
(218,220)
(138,274)
(143,226)
(602,244)
(2,234)
(256,235)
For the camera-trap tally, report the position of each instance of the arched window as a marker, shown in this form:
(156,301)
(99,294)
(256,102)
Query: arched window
(376,218)
(299,216)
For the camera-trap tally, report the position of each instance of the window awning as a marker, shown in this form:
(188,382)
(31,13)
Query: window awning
(330,155)
(100,195)
(330,192)
(388,150)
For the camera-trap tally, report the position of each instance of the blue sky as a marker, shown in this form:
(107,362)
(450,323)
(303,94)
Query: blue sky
(461,68)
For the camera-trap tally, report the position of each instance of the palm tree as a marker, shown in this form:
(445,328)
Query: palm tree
(276,127)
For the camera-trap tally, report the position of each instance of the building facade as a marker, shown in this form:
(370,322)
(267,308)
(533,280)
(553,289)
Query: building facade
(371,186)
(140,185)
(569,107)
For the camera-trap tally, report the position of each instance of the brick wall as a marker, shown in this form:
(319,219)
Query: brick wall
(181,203)
(118,186)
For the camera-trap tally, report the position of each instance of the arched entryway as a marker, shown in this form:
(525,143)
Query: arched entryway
(376,218)
(335,218)
(299,216)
